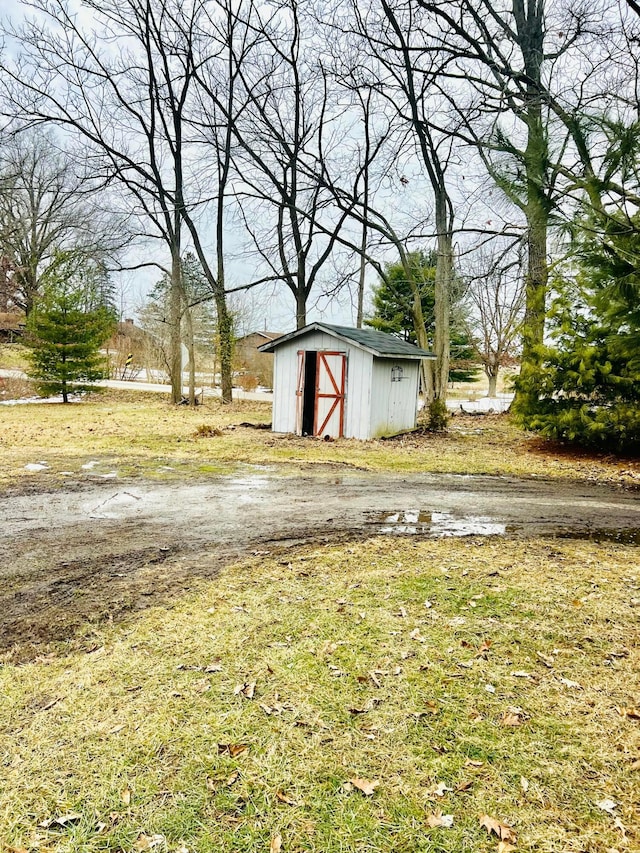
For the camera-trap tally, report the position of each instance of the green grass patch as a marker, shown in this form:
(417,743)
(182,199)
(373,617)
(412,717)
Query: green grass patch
(465,678)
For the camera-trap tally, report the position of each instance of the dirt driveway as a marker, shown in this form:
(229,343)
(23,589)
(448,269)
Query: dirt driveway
(94,552)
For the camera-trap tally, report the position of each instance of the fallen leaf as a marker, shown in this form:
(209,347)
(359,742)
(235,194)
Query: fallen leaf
(439,819)
(512,717)
(464,785)
(61,820)
(483,649)
(505,847)
(547,660)
(471,763)
(213,667)
(502,830)
(432,706)
(369,705)
(524,784)
(365,785)
(276,844)
(629,713)
(148,842)
(284,799)
(234,749)
(247,689)
(619,825)
(125,796)
(520,673)
(572,685)
(416,635)
(438,790)
(607,805)
(116,729)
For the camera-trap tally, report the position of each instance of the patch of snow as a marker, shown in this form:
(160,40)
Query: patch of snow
(31,400)
(88,466)
(36,466)
(483,406)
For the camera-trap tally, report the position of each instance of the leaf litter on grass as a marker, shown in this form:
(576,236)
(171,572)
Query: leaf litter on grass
(420,755)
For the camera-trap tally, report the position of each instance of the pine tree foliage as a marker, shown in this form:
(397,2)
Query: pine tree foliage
(69,324)
(393,312)
(588,385)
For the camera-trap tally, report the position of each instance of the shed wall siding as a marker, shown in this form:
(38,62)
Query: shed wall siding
(394,403)
(358,385)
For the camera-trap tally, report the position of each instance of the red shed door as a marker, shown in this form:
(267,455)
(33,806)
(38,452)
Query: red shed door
(330,393)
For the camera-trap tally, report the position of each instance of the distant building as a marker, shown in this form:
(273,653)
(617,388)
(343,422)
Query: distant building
(11,326)
(249,359)
(337,381)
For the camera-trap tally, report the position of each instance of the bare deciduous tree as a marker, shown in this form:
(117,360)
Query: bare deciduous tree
(46,204)
(495,299)
(128,105)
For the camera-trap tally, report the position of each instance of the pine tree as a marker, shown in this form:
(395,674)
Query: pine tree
(393,312)
(588,385)
(69,324)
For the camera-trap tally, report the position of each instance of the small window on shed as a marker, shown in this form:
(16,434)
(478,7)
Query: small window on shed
(397,373)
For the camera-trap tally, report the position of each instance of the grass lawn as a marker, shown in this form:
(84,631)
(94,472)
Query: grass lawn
(392,695)
(141,434)
(388,696)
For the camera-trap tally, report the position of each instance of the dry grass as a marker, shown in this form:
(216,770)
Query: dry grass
(499,670)
(142,434)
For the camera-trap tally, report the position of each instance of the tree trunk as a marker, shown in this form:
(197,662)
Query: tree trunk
(175,310)
(444,275)
(537,275)
(361,279)
(426,365)
(301,308)
(493,382)
(188,322)
(225,338)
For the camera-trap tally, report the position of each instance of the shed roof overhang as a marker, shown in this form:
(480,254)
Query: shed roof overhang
(377,343)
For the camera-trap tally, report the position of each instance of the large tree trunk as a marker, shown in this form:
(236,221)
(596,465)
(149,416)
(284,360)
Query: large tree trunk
(301,308)
(444,275)
(493,382)
(225,339)
(537,275)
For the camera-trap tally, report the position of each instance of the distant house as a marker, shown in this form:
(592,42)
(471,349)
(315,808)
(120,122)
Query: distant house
(337,381)
(130,349)
(249,359)
(11,326)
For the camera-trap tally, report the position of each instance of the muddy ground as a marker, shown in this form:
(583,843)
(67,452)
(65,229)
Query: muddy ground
(98,551)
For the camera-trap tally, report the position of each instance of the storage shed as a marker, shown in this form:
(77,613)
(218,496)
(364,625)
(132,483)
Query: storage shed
(338,381)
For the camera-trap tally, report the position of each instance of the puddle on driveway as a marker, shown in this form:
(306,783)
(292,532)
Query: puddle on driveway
(628,536)
(414,522)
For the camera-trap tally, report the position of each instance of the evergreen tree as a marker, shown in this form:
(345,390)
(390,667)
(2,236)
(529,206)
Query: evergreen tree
(67,327)
(588,386)
(393,312)
(393,298)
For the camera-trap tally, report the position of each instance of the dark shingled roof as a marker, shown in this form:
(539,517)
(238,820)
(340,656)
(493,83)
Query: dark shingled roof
(380,343)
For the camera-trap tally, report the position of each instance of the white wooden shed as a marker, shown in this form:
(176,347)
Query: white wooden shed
(338,381)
